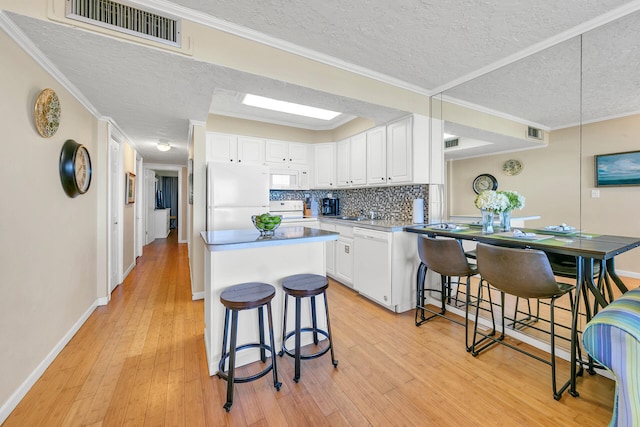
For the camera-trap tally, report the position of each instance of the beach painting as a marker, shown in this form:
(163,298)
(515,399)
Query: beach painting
(618,169)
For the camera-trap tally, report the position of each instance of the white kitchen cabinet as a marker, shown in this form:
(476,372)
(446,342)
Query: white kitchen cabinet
(324,165)
(286,152)
(344,255)
(344,260)
(358,159)
(351,163)
(410,156)
(330,250)
(343,175)
(377,156)
(234,148)
(399,151)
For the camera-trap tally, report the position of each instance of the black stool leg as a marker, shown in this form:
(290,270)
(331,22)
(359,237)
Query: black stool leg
(263,356)
(274,367)
(296,376)
(314,321)
(284,323)
(232,360)
(326,310)
(225,336)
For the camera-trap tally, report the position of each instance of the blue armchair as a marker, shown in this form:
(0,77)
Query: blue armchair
(612,338)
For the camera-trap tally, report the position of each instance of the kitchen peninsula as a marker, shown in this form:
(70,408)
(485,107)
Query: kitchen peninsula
(239,256)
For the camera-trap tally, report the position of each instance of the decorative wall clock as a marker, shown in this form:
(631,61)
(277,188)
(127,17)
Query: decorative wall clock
(47,113)
(75,168)
(512,167)
(484,182)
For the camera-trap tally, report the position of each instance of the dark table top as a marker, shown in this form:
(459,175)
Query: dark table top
(588,245)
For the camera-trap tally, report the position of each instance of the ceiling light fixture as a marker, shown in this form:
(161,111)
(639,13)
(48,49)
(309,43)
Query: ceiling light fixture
(164,146)
(288,107)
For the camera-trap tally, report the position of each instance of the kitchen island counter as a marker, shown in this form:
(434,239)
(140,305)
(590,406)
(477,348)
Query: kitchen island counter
(240,256)
(389,225)
(226,240)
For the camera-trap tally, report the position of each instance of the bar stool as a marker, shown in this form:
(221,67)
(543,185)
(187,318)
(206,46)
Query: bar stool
(235,298)
(301,286)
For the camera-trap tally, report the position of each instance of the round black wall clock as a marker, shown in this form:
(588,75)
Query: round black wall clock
(484,182)
(75,168)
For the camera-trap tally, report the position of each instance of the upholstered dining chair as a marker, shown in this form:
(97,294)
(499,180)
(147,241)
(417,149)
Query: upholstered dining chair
(445,257)
(523,273)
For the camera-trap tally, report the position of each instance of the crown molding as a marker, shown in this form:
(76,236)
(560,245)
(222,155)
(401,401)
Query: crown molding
(256,36)
(495,113)
(32,50)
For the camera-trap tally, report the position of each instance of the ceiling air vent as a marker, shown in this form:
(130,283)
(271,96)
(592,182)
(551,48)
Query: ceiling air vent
(451,143)
(126,19)
(534,133)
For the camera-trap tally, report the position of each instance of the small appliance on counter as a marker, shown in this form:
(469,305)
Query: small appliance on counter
(330,206)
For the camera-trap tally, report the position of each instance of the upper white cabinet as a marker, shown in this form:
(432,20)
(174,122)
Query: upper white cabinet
(286,152)
(377,156)
(223,147)
(324,165)
(343,175)
(358,159)
(410,157)
(399,151)
(351,156)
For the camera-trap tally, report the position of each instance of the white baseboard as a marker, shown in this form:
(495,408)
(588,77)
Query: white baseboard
(197,296)
(126,273)
(11,403)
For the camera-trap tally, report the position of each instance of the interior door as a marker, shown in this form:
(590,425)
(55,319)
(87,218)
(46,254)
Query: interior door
(115,213)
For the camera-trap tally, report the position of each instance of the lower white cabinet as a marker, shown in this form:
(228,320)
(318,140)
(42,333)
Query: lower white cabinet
(330,250)
(344,260)
(344,255)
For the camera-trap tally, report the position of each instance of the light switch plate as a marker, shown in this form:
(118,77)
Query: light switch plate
(595,194)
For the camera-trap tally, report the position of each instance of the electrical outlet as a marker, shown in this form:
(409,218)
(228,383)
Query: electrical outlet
(595,194)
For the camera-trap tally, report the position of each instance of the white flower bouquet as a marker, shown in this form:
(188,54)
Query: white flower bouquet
(516,200)
(492,201)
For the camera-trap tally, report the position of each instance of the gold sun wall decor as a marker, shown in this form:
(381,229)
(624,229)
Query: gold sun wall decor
(47,113)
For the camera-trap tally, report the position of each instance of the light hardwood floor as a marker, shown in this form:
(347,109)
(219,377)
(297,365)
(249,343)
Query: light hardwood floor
(141,361)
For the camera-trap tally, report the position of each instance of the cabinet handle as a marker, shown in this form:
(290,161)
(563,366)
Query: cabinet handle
(389,178)
(239,160)
(284,160)
(382,178)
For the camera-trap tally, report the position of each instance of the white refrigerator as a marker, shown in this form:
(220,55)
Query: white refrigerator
(234,193)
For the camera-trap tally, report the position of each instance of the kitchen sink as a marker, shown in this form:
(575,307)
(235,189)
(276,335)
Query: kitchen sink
(352,218)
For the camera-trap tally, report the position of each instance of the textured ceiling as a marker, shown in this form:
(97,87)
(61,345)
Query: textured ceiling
(424,45)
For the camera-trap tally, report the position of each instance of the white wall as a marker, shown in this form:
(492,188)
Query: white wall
(48,256)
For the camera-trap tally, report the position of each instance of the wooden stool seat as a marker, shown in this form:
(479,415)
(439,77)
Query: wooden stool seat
(301,286)
(305,285)
(235,298)
(247,295)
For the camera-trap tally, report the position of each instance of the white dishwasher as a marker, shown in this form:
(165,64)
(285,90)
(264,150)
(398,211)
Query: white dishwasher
(372,264)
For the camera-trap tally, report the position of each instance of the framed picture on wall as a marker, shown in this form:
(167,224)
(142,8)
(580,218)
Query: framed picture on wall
(617,169)
(190,180)
(130,195)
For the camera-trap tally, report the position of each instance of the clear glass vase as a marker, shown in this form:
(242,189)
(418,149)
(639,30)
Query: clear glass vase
(487,221)
(505,221)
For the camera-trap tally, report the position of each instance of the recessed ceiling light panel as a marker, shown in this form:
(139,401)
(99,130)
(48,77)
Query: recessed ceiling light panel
(288,107)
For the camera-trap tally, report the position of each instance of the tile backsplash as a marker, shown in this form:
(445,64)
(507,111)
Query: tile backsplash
(394,203)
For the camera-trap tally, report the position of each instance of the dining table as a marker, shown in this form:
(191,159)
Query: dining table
(588,249)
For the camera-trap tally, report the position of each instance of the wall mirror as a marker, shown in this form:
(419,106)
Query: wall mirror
(552,111)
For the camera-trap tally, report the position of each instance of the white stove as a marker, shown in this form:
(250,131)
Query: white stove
(289,209)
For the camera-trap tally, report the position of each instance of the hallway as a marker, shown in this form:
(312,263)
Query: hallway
(141,361)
